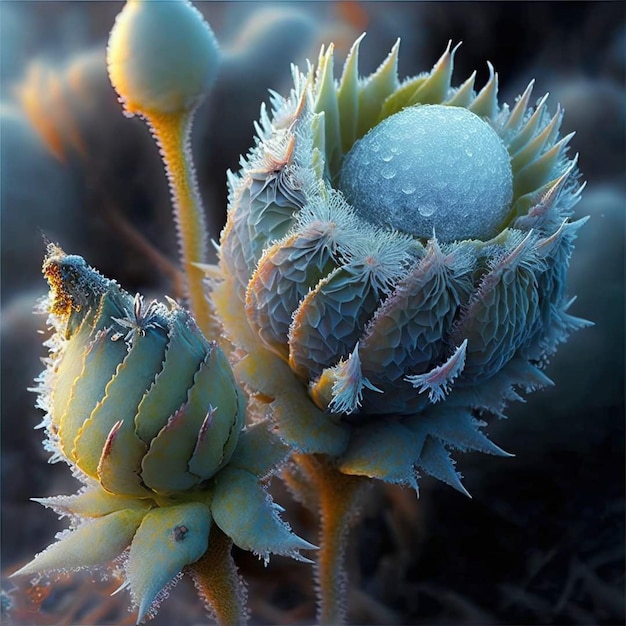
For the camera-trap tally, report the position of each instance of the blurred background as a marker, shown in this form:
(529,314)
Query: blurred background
(542,539)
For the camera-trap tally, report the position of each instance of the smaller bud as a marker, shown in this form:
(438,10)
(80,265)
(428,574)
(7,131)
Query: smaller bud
(162,56)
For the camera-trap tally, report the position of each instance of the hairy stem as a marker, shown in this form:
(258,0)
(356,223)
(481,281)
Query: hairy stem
(172,133)
(338,497)
(217,581)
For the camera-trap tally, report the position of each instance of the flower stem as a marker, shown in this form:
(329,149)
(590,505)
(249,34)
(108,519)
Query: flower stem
(339,495)
(217,581)
(172,132)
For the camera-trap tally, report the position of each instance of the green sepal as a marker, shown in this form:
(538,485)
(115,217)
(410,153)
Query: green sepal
(376,89)
(168,539)
(215,447)
(185,352)
(435,460)
(120,463)
(92,502)
(430,88)
(68,370)
(246,513)
(123,395)
(259,450)
(300,423)
(92,543)
(101,358)
(206,422)
(386,451)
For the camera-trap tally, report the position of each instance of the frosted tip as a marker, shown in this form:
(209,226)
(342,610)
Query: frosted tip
(431,167)
(162,57)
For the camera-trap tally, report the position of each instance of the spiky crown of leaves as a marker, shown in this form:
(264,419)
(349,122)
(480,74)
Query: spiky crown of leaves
(373,322)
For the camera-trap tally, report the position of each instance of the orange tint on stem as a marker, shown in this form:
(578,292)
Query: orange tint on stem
(217,581)
(339,495)
(172,133)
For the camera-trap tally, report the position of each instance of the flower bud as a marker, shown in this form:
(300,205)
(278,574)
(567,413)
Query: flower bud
(149,416)
(162,56)
(395,254)
(140,400)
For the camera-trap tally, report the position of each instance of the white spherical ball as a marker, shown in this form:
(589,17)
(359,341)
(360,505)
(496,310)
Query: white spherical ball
(431,167)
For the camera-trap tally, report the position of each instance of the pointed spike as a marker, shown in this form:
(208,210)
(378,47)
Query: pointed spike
(517,114)
(438,380)
(168,539)
(486,102)
(348,384)
(533,148)
(92,543)
(243,510)
(435,460)
(527,131)
(464,94)
(326,101)
(461,430)
(348,96)
(536,174)
(537,203)
(375,90)
(437,85)
(92,502)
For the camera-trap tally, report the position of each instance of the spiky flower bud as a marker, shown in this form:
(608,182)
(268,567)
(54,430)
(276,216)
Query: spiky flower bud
(394,262)
(149,416)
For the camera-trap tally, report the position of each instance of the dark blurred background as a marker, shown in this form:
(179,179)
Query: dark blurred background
(542,539)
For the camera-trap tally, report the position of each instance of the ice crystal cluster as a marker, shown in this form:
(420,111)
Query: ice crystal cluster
(149,416)
(394,262)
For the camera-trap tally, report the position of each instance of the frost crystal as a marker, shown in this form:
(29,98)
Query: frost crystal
(431,167)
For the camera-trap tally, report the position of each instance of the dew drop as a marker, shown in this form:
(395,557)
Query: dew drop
(388,173)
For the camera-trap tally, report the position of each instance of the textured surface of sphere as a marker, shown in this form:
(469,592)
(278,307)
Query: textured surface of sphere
(428,169)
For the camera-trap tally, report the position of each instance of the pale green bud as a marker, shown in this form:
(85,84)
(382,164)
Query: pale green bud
(162,56)
(149,415)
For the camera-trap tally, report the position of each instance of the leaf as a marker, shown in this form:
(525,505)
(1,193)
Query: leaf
(259,450)
(93,502)
(168,539)
(246,513)
(92,543)
(387,451)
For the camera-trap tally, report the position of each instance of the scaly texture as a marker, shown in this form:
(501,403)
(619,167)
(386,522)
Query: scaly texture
(395,256)
(148,415)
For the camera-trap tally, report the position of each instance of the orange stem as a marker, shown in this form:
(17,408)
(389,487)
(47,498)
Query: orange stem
(217,581)
(339,495)
(172,133)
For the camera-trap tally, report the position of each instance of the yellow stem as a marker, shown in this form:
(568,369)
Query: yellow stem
(172,133)
(217,581)
(338,497)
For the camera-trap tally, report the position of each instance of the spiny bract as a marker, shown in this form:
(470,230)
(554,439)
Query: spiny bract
(149,416)
(392,277)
